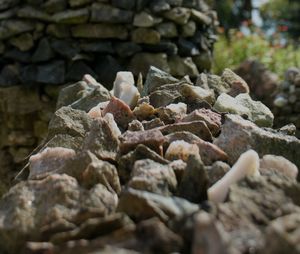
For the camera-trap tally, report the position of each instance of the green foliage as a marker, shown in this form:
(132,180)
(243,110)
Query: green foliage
(277,59)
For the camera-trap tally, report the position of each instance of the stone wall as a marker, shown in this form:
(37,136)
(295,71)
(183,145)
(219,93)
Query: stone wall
(45,44)
(54,42)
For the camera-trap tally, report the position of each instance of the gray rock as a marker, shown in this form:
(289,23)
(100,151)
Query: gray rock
(144,19)
(283,235)
(32,13)
(167,29)
(165,95)
(43,51)
(54,6)
(182,66)
(154,177)
(69,121)
(145,35)
(143,205)
(12,27)
(189,29)
(141,62)
(216,171)
(124,4)
(92,98)
(102,141)
(59,30)
(5,4)
(194,183)
(78,3)
(97,47)
(126,162)
(179,15)
(52,199)
(51,73)
(156,78)
(243,105)
(126,49)
(187,48)
(24,42)
(108,14)
(100,31)
(239,135)
(72,16)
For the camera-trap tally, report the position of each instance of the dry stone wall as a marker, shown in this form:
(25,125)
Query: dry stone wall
(46,44)
(54,42)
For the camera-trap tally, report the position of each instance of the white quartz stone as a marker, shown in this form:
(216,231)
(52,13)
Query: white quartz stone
(246,165)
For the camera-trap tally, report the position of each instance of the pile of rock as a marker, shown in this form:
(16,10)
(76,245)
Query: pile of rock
(287,101)
(53,42)
(147,168)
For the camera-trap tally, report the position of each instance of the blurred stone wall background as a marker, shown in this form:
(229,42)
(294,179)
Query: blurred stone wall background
(45,44)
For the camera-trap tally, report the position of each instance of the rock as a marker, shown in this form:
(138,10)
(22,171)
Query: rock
(43,51)
(10,28)
(152,124)
(59,30)
(102,13)
(244,105)
(167,30)
(57,197)
(92,97)
(126,162)
(54,6)
(32,13)
(239,135)
(189,29)
(141,61)
(77,3)
(142,205)
(193,93)
(145,35)
(154,177)
(144,111)
(51,73)
(278,163)
(208,237)
(150,138)
(102,140)
(187,48)
(212,119)
(5,4)
(98,47)
(201,18)
(194,183)
(24,42)
(100,31)
(48,161)
(126,49)
(66,48)
(236,83)
(125,90)
(94,227)
(121,112)
(73,17)
(135,125)
(165,95)
(216,171)
(183,66)
(179,15)
(144,19)
(181,150)
(282,235)
(246,165)
(66,141)
(69,121)
(124,4)
(156,78)
(199,128)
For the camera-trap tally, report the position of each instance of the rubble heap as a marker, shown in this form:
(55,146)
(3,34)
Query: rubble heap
(161,167)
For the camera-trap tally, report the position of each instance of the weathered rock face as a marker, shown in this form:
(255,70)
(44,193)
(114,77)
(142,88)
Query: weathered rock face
(114,176)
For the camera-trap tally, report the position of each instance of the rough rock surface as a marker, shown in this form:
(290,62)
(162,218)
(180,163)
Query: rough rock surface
(177,177)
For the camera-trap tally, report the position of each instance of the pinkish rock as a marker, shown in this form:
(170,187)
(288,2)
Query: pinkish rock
(199,128)
(151,138)
(49,161)
(121,112)
(181,150)
(212,119)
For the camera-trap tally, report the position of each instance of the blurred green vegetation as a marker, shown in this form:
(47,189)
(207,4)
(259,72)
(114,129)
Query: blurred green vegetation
(240,47)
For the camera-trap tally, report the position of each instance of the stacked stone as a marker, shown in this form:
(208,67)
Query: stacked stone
(54,42)
(287,101)
(47,43)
